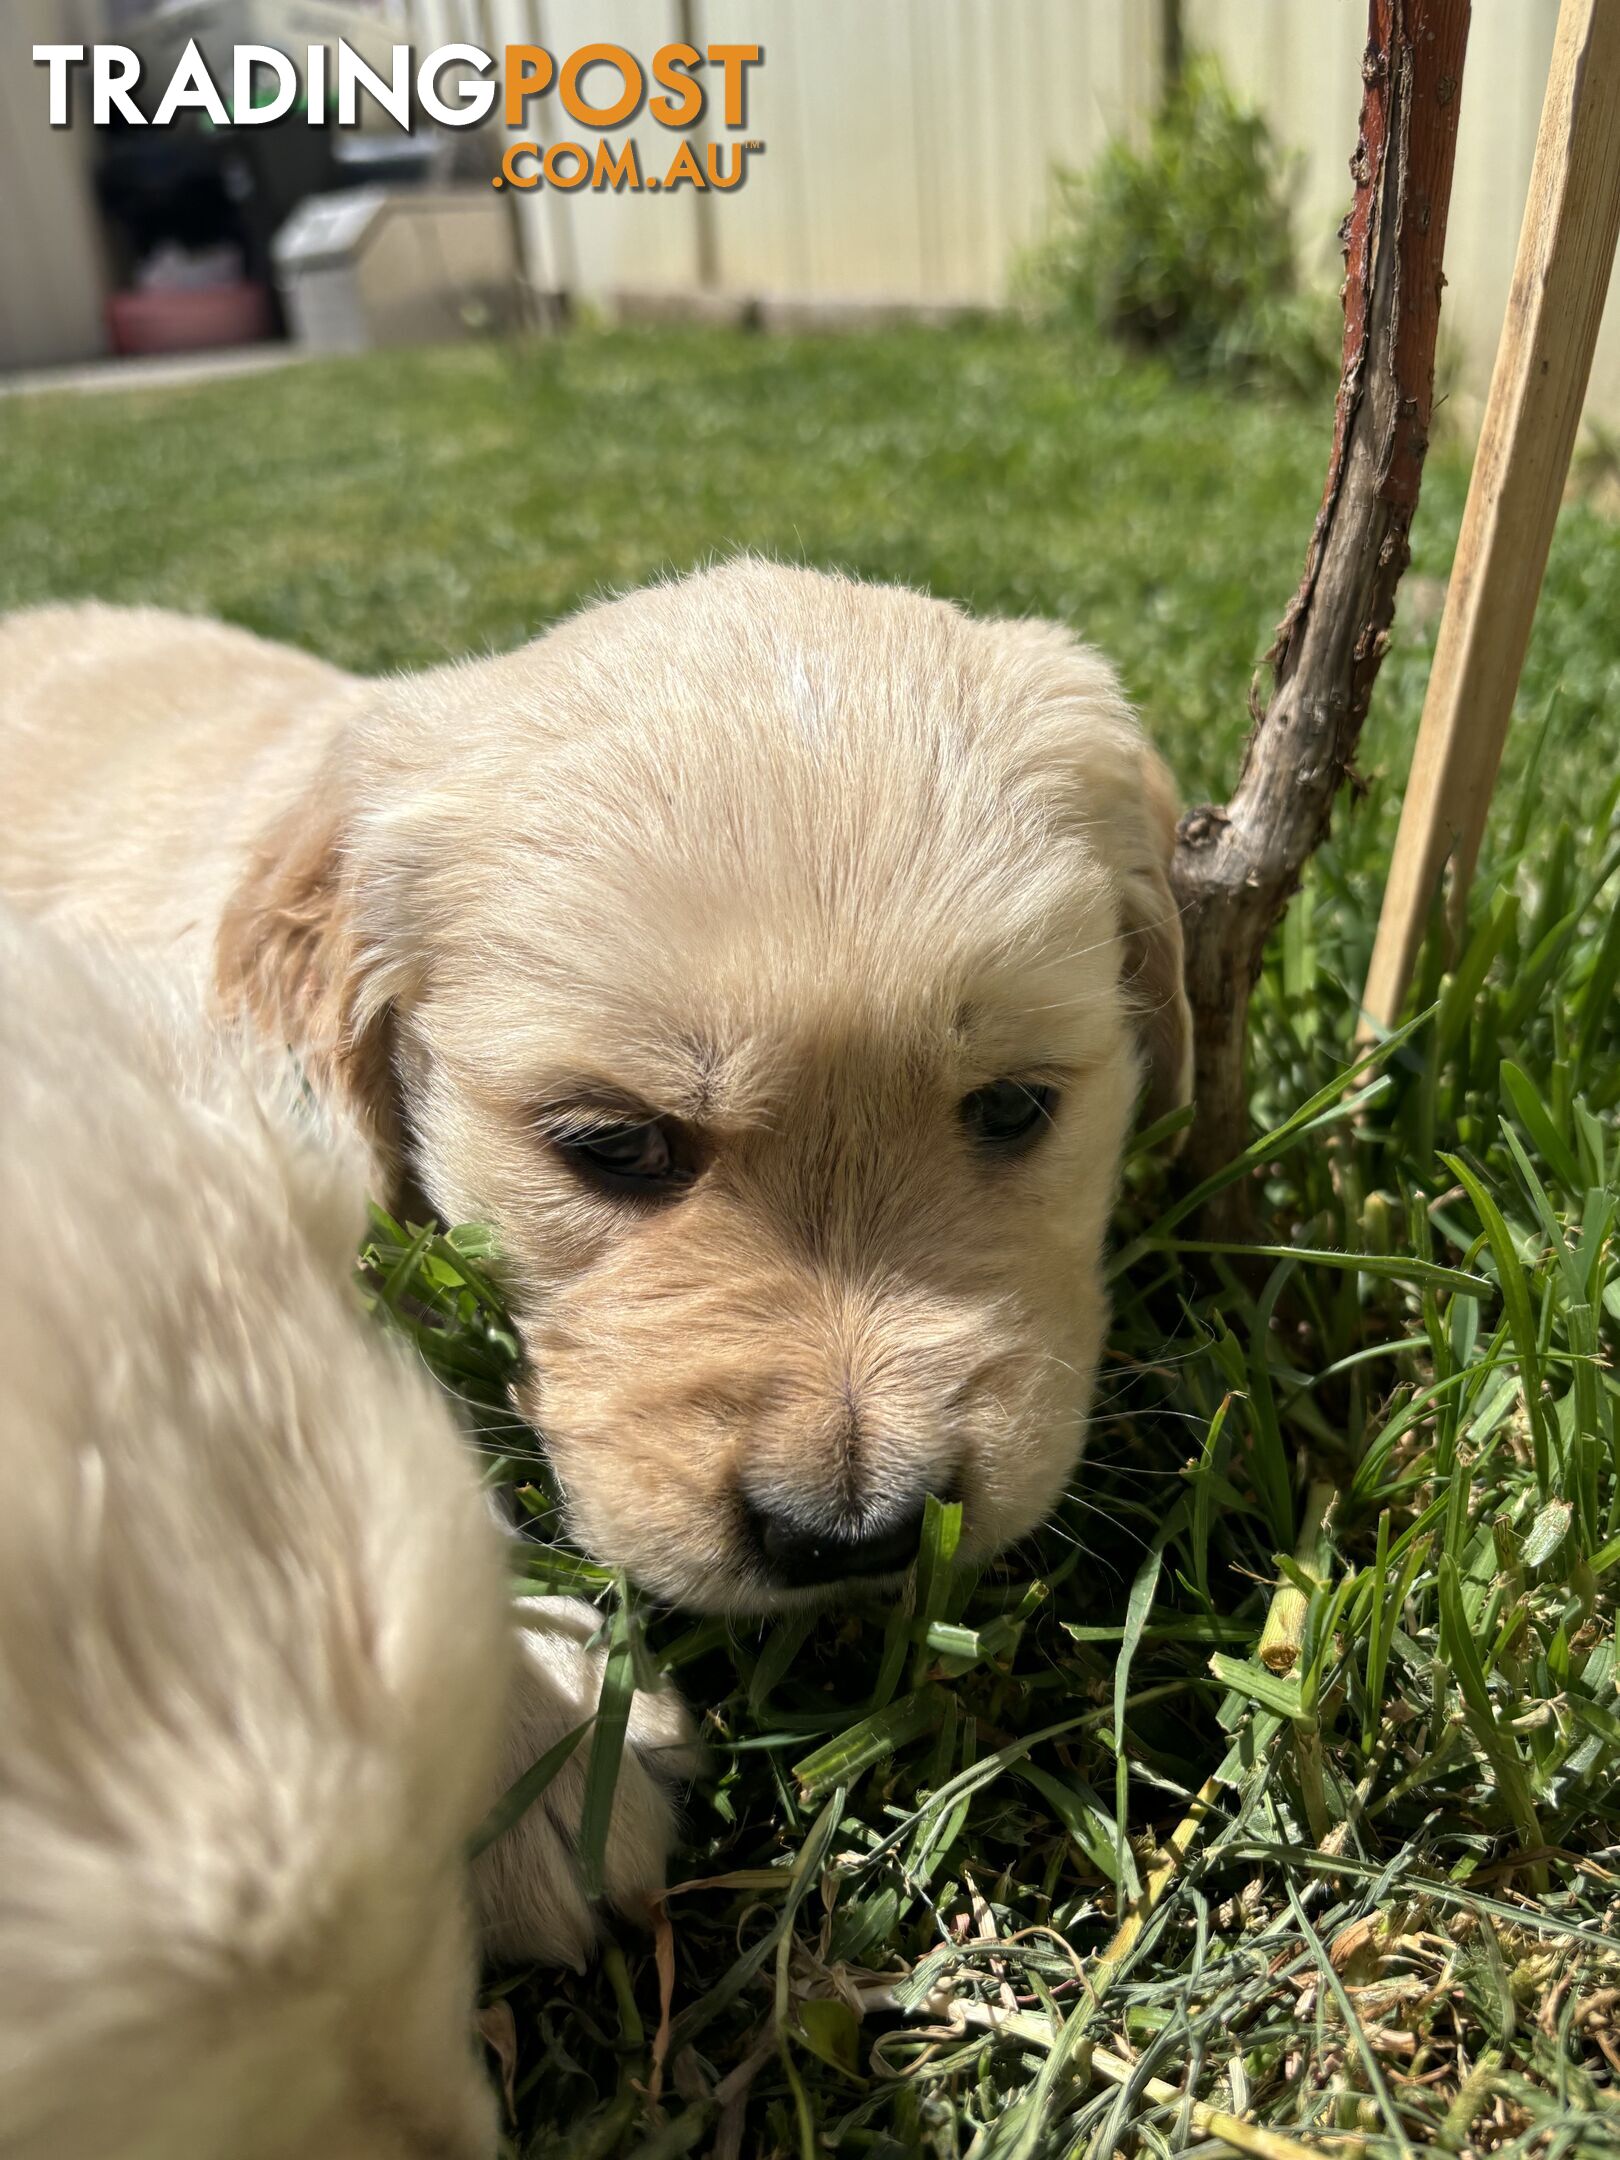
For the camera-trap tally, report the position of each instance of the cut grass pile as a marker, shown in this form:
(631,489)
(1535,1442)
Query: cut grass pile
(1311,1682)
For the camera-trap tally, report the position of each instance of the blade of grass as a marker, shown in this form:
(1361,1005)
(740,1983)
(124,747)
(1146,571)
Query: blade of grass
(1516,1299)
(607,1744)
(1327,1105)
(524,1791)
(1458,1647)
(1384,1267)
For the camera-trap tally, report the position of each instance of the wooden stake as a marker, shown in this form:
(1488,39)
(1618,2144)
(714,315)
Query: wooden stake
(1566,248)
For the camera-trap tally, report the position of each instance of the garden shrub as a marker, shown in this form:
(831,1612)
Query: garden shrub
(1187,246)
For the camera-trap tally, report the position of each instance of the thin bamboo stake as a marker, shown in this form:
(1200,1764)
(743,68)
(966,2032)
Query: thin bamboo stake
(1566,250)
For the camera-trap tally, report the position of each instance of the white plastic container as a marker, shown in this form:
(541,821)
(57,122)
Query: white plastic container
(406,266)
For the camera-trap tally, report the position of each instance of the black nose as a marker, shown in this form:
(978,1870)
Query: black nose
(799,1554)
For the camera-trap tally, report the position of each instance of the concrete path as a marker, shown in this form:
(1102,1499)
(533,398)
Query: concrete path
(159,371)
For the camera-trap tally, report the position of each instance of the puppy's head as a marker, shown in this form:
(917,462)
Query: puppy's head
(776,961)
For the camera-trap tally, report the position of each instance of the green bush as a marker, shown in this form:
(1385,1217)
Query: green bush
(1187,246)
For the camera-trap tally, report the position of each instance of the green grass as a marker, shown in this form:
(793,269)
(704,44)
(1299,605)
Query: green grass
(1394,1923)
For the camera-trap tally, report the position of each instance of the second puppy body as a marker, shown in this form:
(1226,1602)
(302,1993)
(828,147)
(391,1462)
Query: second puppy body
(774,960)
(257,1672)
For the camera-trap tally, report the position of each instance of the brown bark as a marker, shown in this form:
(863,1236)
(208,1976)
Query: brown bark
(1237,867)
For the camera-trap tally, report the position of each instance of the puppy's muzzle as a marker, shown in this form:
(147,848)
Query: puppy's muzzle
(797,1552)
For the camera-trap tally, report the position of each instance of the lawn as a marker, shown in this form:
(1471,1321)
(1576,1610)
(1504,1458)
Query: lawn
(1312,1681)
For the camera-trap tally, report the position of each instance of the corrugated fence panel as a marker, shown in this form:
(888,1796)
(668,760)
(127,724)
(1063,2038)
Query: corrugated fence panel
(1301,64)
(763,231)
(834,204)
(909,146)
(625,238)
(857,122)
(1506,73)
(51,277)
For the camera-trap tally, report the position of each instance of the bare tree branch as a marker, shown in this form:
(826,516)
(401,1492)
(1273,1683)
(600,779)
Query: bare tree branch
(1237,867)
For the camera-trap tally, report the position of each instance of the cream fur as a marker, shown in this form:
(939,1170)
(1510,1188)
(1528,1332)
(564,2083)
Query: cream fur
(798,860)
(257,1681)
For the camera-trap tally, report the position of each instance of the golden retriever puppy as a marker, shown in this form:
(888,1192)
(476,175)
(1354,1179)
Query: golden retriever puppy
(774,960)
(256,1660)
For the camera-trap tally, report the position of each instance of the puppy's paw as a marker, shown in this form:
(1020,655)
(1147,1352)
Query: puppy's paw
(530,1896)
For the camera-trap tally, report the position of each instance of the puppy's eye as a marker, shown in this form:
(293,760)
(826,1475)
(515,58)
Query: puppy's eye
(652,1159)
(1008,1111)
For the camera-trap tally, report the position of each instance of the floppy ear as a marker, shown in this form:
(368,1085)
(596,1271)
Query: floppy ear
(1114,786)
(289,960)
(1150,924)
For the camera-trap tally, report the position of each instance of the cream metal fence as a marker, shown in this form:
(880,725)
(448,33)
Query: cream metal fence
(909,151)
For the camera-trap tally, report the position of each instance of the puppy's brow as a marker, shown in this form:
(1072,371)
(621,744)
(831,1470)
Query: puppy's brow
(565,1101)
(685,1078)
(1035,1071)
(695,1075)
